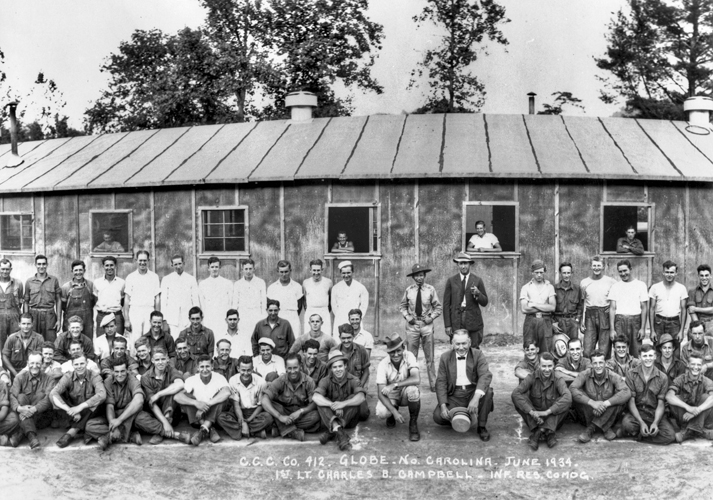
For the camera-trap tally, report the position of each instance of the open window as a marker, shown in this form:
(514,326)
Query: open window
(500,220)
(17,232)
(111,232)
(224,230)
(352,229)
(618,217)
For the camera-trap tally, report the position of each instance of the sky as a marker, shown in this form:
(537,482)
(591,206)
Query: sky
(552,48)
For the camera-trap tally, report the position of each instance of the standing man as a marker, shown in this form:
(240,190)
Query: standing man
(361,336)
(537,302)
(20,345)
(667,306)
(179,293)
(568,304)
(275,328)
(628,308)
(348,294)
(143,295)
(109,291)
(43,300)
(10,302)
(700,298)
(462,300)
(595,325)
(326,342)
(690,400)
(420,307)
(78,299)
(250,299)
(630,243)
(289,294)
(216,295)
(482,241)
(199,338)
(317,291)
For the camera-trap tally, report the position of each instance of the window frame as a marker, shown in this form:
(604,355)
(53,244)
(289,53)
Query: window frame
(464,225)
(130,235)
(355,255)
(650,237)
(21,252)
(202,253)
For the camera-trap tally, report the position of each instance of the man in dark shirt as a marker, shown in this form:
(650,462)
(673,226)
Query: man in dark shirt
(124,399)
(158,336)
(275,328)
(690,399)
(669,364)
(289,400)
(8,418)
(75,329)
(529,363)
(311,364)
(185,362)
(542,400)
(338,398)
(700,298)
(119,350)
(223,363)
(630,243)
(19,345)
(199,338)
(143,356)
(569,304)
(43,300)
(29,399)
(573,363)
(621,362)
(358,362)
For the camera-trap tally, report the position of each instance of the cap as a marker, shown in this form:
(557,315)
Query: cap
(107,319)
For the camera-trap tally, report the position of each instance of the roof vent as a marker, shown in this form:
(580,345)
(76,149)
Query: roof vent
(698,109)
(531,102)
(301,104)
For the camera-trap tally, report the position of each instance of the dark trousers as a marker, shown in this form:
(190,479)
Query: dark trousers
(147,422)
(38,420)
(44,322)
(9,324)
(9,424)
(629,327)
(85,416)
(308,422)
(538,331)
(605,421)
(704,420)
(462,398)
(349,419)
(119,322)
(552,422)
(99,426)
(569,326)
(666,434)
(87,316)
(672,326)
(233,425)
(596,332)
(210,416)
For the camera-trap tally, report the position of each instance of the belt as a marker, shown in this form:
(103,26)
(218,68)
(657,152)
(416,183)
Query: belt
(41,308)
(565,315)
(115,313)
(465,387)
(629,315)
(598,308)
(668,318)
(539,315)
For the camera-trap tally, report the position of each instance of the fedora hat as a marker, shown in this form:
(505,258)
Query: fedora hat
(460,419)
(463,257)
(394,342)
(418,268)
(663,339)
(334,356)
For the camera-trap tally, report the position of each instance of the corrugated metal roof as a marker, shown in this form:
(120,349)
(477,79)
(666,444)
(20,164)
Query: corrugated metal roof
(378,146)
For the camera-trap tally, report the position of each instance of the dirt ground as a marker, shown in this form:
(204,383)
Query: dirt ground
(383,463)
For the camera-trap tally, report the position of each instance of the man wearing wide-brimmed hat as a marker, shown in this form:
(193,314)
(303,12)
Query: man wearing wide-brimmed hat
(397,381)
(671,366)
(464,296)
(420,307)
(537,302)
(338,398)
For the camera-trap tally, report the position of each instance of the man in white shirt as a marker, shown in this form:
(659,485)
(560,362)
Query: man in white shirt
(269,366)
(628,308)
(290,295)
(109,291)
(216,296)
(317,290)
(482,241)
(250,299)
(361,336)
(537,302)
(595,317)
(348,294)
(667,306)
(75,349)
(231,332)
(142,297)
(179,292)
(104,343)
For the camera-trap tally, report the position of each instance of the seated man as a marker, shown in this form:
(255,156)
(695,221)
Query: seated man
(104,344)
(573,363)
(542,399)
(124,399)
(464,381)
(268,365)
(19,345)
(49,365)
(397,380)
(338,398)
(143,356)
(701,345)
(326,342)
(75,332)
(246,417)
(600,396)
(289,400)
(185,362)
(119,350)
(646,420)
(358,362)
(667,362)
(202,399)
(199,338)
(621,361)
(529,363)
(160,384)
(223,363)
(311,364)
(75,348)
(30,400)
(79,394)
(8,418)
(690,399)
(160,335)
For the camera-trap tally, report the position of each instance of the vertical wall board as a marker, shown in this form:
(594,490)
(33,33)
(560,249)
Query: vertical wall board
(173,229)
(304,226)
(364,274)
(491,190)
(140,203)
(580,211)
(264,215)
(21,203)
(700,232)
(213,197)
(669,230)
(353,192)
(397,248)
(92,200)
(625,191)
(61,235)
(39,219)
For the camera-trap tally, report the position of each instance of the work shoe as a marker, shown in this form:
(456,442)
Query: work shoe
(484,434)
(297,434)
(183,437)
(263,434)
(136,438)
(34,442)
(104,441)
(156,439)
(275,432)
(620,433)
(64,440)
(326,437)
(214,437)
(4,440)
(414,408)
(534,441)
(390,421)
(708,434)
(87,439)
(684,435)
(199,435)
(343,440)
(551,440)
(116,435)
(586,436)
(610,435)
(16,438)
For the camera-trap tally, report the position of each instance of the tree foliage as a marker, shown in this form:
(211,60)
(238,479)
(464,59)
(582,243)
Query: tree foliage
(561,99)
(658,54)
(468,26)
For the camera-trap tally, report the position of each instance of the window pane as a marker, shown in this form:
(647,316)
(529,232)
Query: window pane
(234,216)
(213,231)
(214,216)
(213,245)
(10,234)
(234,244)
(234,230)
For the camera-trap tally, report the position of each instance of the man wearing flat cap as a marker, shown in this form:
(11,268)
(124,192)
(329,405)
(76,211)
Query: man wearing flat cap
(464,296)
(397,381)
(348,294)
(463,382)
(420,307)
(266,364)
(537,302)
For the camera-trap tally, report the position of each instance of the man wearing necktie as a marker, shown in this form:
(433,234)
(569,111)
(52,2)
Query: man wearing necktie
(464,296)
(420,307)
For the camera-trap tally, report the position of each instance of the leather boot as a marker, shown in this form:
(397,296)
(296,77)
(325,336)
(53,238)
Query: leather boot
(414,408)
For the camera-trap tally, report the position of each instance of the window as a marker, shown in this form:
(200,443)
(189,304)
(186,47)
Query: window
(224,230)
(16,233)
(111,232)
(352,229)
(618,217)
(500,220)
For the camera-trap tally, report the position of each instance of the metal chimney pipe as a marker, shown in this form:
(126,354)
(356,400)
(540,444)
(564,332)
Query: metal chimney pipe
(14,159)
(301,104)
(531,102)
